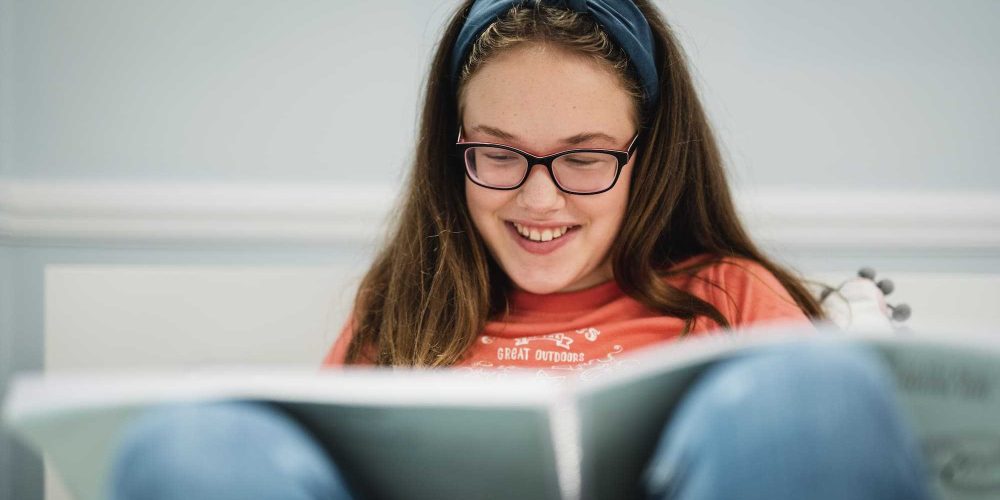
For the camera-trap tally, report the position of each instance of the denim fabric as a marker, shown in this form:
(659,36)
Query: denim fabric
(220,451)
(809,420)
(815,421)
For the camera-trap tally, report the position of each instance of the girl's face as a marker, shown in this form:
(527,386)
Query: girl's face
(543,99)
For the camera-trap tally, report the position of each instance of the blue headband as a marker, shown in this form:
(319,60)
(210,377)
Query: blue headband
(621,19)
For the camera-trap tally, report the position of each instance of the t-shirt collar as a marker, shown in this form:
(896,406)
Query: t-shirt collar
(587,299)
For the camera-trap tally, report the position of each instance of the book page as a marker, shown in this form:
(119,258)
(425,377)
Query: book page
(951,394)
(947,387)
(400,434)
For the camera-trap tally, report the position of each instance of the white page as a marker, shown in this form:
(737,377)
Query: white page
(502,423)
(449,422)
(948,387)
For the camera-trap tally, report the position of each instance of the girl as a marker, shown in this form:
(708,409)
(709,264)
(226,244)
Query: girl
(636,208)
(568,205)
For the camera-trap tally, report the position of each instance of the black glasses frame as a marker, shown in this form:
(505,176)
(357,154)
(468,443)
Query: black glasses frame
(622,157)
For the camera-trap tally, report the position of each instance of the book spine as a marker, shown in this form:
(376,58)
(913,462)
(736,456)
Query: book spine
(564,421)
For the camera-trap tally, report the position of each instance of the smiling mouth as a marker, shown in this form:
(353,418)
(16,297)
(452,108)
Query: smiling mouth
(541,234)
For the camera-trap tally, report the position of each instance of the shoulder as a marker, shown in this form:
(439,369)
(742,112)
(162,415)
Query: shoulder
(336,355)
(742,273)
(743,290)
(722,268)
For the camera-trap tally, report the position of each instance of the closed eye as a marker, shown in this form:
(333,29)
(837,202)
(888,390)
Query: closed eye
(501,157)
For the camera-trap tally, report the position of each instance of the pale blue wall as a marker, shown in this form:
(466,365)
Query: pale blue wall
(21,348)
(221,90)
(9,455)
(847,94)
(852,93)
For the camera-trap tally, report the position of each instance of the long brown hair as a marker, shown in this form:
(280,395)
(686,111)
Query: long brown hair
(433,286)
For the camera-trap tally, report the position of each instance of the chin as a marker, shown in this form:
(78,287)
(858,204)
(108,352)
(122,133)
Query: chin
(542,283)
(539,288)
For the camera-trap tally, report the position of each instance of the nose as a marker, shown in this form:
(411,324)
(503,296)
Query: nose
(539,192)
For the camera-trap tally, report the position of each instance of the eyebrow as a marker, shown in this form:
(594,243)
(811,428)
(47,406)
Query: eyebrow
(572,140)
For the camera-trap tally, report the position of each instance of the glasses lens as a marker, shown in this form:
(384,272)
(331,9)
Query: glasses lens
(495,167)
(585,172)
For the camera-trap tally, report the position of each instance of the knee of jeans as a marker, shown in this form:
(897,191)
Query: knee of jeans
(818,405)
(215,442)
(809,385)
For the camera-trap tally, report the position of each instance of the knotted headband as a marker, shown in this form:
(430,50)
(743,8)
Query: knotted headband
(620,19)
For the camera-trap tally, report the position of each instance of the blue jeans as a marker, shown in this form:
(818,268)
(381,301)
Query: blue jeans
(810,421)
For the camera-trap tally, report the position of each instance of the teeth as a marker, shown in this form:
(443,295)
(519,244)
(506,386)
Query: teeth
(535,234)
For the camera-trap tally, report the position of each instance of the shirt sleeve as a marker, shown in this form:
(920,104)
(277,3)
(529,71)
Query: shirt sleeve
(748,294)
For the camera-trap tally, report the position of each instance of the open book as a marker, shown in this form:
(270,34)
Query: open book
(457,434)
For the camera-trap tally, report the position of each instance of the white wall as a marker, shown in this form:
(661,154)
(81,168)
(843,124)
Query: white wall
(128,316)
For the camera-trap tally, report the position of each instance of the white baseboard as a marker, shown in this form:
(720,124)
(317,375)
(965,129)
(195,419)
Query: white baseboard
(150,213)
(191,212)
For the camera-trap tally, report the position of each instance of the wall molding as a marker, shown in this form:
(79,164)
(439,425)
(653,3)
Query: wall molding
(196,212)
(207,213)
(894,220)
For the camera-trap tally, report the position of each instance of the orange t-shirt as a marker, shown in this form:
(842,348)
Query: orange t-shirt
(591,329)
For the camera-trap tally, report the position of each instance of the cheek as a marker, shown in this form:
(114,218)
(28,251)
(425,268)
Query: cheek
(615,204)
(483,204)
(474,200)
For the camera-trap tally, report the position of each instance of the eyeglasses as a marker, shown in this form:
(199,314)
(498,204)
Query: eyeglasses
(575,171)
